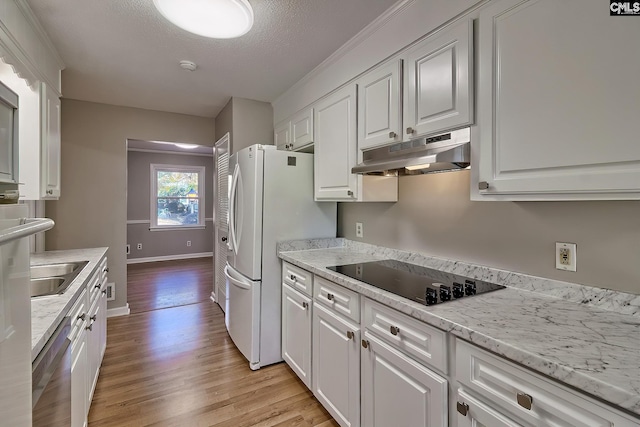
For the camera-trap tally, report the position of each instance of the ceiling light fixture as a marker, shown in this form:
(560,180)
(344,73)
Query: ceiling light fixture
(218,19)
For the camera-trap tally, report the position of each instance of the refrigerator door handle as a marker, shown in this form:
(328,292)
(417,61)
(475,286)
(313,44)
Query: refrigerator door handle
(233,244)
(234,280)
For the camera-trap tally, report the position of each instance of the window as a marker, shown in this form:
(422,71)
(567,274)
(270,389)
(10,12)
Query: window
(177,196)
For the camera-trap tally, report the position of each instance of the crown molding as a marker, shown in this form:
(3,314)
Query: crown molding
(39,29)
(350,45)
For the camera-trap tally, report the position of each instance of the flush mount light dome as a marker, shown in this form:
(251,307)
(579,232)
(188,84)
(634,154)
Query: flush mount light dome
(219,19)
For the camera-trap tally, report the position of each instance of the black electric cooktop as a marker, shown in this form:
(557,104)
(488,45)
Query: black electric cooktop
(424,285)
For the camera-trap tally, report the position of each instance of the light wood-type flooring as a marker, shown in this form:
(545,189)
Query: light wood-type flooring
(177,366)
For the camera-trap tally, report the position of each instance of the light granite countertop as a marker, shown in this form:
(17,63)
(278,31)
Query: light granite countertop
(48,312)
(570,333)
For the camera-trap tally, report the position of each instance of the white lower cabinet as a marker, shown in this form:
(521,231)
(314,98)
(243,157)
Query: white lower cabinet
(296,332)
(336,365)
(398,391)
(88,343)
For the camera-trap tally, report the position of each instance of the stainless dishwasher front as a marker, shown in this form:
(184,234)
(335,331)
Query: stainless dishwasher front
(51,380)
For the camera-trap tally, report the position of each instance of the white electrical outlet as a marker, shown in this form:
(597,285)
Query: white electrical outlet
(566,256)
(359,230)
(188,242)
(139,246)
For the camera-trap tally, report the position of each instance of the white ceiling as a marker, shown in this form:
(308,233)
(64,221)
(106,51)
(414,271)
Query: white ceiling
(123,52)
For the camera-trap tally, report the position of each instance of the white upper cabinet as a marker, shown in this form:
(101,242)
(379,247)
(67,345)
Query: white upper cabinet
(558,102)
(295,133)
(335,148)
(438,86)
(380,106)
(49,143)
(282,135)
(302,129)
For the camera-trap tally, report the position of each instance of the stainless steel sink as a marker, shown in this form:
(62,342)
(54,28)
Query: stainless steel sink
(54,279)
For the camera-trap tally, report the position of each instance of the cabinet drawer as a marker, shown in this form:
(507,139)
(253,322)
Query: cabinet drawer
(297,278)
(340,299)
(419,340)
(79,317)
(94,287)
(530,397)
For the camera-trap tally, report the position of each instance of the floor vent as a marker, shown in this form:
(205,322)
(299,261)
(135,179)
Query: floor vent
(111,291)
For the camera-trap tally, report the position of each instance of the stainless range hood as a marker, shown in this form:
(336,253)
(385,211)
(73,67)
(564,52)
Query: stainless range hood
(445,152)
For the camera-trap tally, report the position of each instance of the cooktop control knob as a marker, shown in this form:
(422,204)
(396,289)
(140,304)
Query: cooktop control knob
(431,296)
(469,287)
(458,290)
(445,293)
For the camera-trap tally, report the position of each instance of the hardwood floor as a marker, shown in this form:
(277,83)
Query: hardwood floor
(178,367)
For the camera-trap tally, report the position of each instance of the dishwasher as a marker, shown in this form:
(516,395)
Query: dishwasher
(51,380)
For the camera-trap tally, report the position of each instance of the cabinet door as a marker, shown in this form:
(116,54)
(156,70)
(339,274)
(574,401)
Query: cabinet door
(302,129)
(335,146)
(79,380)
(398,391)
(9,146)
(50,143)
(336,366)
(282,136)
(296,333)
(101,322)
(473,413)
(557,119)
(438,89)
(93,350)
(379,106)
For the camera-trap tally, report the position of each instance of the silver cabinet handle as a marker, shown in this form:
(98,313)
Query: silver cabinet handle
(94,317)
(305,305)
(104,292)
(463,408)
(394,330)
(349,193)
(330,297)
(392,134)
(90,327)
(106,269)
(82,316)
(98,286)
(524,400)
(410,130)
(49,191)
(350,335)
(292,277)
(483,185)
(224,239)
(365,343)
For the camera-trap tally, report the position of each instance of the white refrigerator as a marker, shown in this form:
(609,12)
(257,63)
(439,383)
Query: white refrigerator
(270,200)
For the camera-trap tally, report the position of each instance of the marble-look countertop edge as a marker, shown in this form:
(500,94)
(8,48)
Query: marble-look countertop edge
(48,312)
(628,400)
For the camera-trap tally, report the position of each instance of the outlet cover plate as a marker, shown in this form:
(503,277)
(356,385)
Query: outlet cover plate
(359,230)
(566,256)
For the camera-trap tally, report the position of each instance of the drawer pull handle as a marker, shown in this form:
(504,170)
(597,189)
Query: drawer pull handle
(350,335)
(365,343)
(293,277)
(392,135)
(104,292)
(90,327)
(330,297)
(410,130)
(305,305)
(94,317)
(463,408)
(394,330)
(97,286)
(350,193)
(82,316)
(524,400)
(106,269)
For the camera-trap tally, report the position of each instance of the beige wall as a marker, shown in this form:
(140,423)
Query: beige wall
(92,210)
(435,216)
(169,242)
(249,122)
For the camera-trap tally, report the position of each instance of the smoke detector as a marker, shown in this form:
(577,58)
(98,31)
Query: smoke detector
(188,65)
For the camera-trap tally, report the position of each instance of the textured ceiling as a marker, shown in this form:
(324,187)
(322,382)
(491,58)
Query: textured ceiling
(123,52)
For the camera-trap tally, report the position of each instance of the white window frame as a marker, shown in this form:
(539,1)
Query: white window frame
(153,200)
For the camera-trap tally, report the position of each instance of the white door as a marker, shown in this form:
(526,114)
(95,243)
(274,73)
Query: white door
(336,146)
(398,391)
(245,212)
(221,219)
(242,316)
(473,413)
(296,332)
(380,107)
(438,90)
(336,366)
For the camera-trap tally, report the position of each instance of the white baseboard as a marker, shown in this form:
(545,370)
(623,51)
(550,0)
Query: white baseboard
(119,311)
(169,257)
